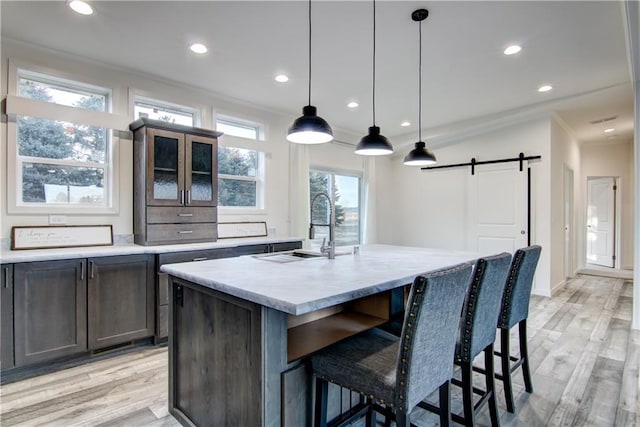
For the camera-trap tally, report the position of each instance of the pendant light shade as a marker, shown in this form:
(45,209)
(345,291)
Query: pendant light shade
(420,155)
(309,128)
(374,144)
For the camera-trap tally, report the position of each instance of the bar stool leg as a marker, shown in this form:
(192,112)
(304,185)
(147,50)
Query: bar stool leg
(321,403)
(524,355)
(402,419)
(445,404)
(505,354)
(490,385)
(467,393)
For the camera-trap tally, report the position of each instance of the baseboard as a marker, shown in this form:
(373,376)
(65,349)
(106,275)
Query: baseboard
(557,288)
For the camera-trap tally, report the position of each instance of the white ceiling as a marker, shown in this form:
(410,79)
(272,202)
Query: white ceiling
(579,47)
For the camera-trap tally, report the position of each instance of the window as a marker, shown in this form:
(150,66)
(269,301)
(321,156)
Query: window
(345,194)
(166,112)
(234,127)
(237,177)
(240,170)
(62,163)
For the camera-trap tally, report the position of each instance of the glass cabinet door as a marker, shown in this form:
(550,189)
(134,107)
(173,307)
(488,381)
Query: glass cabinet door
(165,186)
(201,171)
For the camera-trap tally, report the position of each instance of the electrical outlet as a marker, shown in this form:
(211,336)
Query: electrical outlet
(57,219)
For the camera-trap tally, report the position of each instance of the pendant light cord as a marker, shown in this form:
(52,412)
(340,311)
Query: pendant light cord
(420,83)
(374,62)
(309,53)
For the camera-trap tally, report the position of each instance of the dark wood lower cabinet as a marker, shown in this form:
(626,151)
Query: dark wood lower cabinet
(215,359)
(6,313)
(50,310)
(121,299)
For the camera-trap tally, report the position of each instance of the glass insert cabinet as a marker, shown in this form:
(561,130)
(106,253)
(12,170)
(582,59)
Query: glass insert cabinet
(175,183)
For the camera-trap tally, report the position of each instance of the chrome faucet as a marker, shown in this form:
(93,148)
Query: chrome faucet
(329,249)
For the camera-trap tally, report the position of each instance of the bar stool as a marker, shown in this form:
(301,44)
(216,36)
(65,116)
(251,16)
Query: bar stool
(398,372)
(515,310)
(476,334)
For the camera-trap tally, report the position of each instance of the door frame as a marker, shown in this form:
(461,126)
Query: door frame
(616,219)
(569,222)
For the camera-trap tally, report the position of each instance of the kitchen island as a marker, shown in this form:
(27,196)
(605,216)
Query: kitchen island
(241,328)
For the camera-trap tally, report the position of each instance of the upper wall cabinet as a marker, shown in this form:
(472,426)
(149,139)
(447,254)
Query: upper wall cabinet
(175,183)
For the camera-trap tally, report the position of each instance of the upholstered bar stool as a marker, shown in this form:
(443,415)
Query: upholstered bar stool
(398,372)
(476,334)
(515,310)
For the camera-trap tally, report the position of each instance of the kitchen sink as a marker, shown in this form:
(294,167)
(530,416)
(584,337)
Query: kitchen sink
(289,256)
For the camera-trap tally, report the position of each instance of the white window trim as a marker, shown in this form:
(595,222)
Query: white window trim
(350,173)
(17,105)
(259,179)
(260,127)
(197,114)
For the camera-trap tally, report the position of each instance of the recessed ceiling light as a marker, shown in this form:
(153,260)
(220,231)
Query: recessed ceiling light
(282,78)
(198,48)
(81,7)
(353,104)
(609,130)
(545,88)
(405,124)
(512,50)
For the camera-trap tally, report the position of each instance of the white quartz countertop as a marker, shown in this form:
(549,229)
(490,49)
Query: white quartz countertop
(303,286)
(9,256)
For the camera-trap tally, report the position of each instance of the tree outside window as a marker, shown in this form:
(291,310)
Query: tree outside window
(62,162)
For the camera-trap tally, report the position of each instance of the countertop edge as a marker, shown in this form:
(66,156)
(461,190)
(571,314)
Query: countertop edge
(9,257)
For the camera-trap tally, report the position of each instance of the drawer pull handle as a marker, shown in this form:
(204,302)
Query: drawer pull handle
(204,258)
(6,277)
(182,197)
(185,214)
(188,197)
(185,232)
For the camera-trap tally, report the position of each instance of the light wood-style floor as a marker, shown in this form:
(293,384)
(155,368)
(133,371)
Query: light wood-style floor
(585,361)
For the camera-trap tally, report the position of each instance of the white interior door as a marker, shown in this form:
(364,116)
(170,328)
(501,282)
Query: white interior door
(601,221)
(497,214)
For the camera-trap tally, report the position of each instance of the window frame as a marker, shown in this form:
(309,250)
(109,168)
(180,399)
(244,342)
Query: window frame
(154,102)
(17,105)
(238,142)
(347,173)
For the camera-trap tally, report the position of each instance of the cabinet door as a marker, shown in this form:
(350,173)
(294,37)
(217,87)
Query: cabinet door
(201,171)
(6,326)
(50,310)
(165,168)
(120,299)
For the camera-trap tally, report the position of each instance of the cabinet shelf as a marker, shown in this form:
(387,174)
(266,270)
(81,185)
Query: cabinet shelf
(304,339)
(200,173)
(159,169)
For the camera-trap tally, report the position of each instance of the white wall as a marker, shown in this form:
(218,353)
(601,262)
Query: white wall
(612,159)
(126,84)
(564,152)
(428,208)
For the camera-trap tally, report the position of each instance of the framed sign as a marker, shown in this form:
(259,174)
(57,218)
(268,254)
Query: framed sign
(63,236)
(228,230)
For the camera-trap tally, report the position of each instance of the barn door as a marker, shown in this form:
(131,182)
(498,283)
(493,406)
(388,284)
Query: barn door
(601,222)
(497,215)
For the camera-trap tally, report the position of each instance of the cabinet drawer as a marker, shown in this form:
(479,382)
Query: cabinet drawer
(167,215)
(188,256)
(182,233)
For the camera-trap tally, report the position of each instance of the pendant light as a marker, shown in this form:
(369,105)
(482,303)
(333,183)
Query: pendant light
(420,155)
(374,144)
(309,128)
